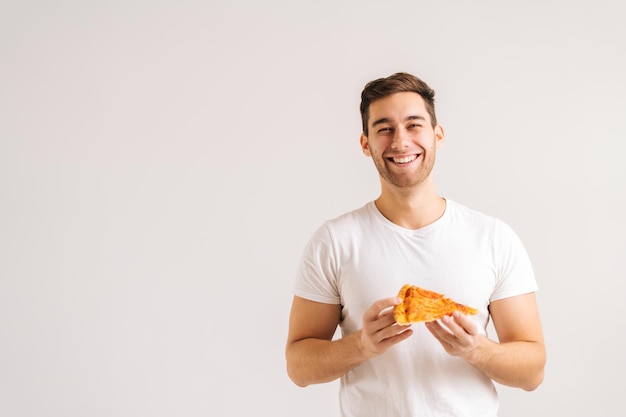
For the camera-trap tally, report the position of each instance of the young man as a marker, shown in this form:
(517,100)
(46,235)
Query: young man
(354,264)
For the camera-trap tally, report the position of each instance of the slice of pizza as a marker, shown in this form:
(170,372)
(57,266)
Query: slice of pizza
(419,304)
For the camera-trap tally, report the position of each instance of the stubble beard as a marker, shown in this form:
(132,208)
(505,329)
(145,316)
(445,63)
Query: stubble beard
(385,170)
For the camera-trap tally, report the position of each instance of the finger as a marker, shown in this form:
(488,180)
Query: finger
(379,340)
(396,336)
(460,325)
(373,312)
(440,333)
(387,315)
(450,323)
(381,324)
(404,333)
(384,326)
(465,322)
(458,338)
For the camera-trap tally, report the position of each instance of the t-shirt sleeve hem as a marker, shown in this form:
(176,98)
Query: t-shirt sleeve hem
(512,293)
(316,297)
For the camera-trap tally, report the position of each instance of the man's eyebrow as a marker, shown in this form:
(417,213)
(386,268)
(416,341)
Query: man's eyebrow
(416,117)
(381,121)
(387,120)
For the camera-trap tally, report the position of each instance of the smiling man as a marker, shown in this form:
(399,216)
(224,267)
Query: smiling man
(403,140)
(354,265)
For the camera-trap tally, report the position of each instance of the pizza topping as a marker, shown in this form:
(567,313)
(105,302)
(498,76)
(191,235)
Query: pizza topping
(419,304)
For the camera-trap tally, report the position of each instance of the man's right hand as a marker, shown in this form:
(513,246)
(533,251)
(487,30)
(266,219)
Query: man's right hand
(380,330)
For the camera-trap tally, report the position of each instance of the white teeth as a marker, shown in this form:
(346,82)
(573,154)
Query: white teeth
(404,159)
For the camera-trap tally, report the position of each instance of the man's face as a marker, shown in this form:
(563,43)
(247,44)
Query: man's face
(401,139)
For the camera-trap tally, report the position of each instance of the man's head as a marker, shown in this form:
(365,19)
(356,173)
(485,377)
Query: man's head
(396,83)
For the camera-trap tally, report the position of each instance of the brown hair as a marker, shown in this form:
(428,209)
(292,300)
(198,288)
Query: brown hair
(397,83)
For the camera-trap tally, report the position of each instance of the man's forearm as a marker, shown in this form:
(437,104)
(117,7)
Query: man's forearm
(313,361)
(517,364)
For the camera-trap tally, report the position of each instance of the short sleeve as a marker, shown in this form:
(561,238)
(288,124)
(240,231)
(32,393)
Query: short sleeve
(515,275)
(316,274)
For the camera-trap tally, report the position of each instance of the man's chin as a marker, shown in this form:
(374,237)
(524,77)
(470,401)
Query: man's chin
(401,182)
(404,181)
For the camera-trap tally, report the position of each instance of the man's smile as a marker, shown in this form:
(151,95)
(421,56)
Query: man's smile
(404,159)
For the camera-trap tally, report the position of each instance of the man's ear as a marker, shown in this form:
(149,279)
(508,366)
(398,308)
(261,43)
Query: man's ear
(365,146)
(439,135)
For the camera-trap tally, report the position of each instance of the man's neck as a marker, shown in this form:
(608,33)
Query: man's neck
(411,209)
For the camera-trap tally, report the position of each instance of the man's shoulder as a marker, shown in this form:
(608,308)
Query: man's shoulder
(462,211)
(479,220)
(352,217)
(348,225)
(350,220)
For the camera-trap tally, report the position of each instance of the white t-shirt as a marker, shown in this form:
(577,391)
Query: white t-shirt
(361,257)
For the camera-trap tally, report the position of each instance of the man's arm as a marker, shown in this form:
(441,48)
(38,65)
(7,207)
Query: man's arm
(518,359)
(313,357)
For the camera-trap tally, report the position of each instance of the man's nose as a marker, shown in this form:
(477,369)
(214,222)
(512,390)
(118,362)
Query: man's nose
(400,139)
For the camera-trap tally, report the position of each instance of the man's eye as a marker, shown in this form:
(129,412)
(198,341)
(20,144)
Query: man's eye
(384,130)
(414,126)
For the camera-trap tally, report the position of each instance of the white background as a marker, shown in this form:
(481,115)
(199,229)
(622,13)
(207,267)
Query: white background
(163,163)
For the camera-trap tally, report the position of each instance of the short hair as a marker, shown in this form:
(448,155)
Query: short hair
(397,83)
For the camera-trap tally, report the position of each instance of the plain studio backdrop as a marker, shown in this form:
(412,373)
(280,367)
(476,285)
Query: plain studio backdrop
(162,165)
